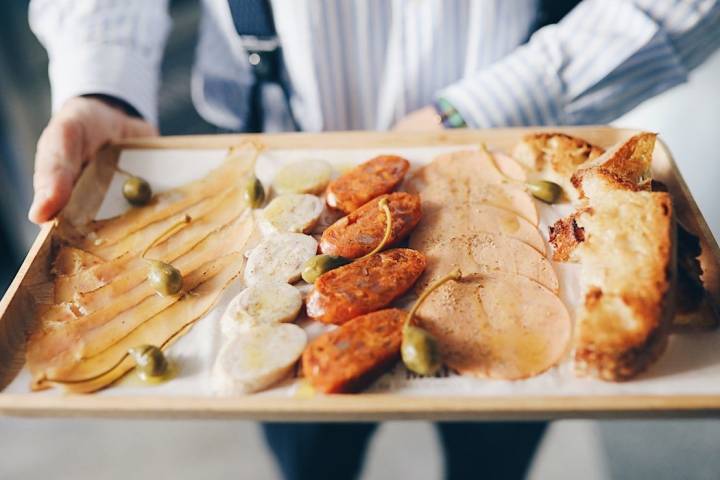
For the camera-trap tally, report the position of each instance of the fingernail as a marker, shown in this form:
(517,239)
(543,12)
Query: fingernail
(40,197)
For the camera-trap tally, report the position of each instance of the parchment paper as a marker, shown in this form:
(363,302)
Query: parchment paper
(691,364)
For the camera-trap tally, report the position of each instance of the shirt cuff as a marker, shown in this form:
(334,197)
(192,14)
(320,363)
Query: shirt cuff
(110,70)
(519,90)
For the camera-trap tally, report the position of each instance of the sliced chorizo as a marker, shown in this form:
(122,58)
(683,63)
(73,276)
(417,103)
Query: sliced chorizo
(366,181)
(351,357)
(358,233)
(364,286)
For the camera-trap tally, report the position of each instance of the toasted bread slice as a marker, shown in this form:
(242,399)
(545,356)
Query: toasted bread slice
(626,166)
(628,271)
(555,157)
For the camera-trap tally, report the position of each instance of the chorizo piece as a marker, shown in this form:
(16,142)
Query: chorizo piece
(366,181)
(364,286)
(351,357)
(362,230)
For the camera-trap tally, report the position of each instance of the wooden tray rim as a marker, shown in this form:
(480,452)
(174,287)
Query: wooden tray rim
(365,406)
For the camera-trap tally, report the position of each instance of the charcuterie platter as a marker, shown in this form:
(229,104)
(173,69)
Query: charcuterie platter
(512,273)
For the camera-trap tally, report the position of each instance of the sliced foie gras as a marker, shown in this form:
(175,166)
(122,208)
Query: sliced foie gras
(441,223)
(279,258)
(474,176)
(257,359)
(162,330)
(238,164)
(487,253)
(497,325)
(458,192)
(68,288)
(79,340)
(104,304)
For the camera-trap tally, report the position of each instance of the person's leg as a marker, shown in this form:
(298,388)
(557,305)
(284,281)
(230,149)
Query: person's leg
(318,450)
(489,450)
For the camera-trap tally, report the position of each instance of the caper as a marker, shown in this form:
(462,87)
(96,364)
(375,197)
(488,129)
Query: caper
(420,351)
(319,264)
(254,193)
(150,361)
(164,278)
(137,191)
(548,192)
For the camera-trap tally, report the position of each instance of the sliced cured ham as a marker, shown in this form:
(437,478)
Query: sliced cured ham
(70,260)
(100,306)
(497,326)
(239,162)
(441,223)
(81,339)
(161,330)
(128,269)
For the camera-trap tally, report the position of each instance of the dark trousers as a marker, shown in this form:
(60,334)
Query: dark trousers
(321,451)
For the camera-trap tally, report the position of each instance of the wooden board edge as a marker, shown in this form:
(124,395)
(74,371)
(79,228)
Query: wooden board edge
(351,139)
(17,305)
(710,256)
(366,407)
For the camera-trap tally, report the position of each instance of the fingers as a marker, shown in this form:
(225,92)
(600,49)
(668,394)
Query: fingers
(57,164)
(134,127)
(73,137)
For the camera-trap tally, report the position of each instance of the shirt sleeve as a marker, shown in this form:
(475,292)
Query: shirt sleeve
(604,58)
(103,47)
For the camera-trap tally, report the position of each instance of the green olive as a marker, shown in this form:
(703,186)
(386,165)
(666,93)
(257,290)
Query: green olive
(548,192)
(254,193)
(137,191)
(150,361)
(420,351)
(164,278)
(320,264)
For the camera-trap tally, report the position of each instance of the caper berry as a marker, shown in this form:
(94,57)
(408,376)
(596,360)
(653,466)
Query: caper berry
(420,351)
(137,191)
(319,264)
(254,193)
(164,278)
(150,361)
(548,192)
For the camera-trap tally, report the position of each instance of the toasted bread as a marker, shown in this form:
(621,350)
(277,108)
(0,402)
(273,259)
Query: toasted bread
(624,167)
(628,271)
(555,157)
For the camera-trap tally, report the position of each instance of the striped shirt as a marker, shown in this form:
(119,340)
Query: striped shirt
(364,64)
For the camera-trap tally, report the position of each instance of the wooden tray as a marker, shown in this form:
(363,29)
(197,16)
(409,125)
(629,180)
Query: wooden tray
(17,306)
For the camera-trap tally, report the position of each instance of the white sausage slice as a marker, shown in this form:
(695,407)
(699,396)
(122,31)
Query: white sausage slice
(279,258)
(295,212)
(260,304)
(304,176)
(257,358)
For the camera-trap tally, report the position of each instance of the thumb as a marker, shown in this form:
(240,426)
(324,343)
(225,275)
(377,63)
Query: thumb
(135,127)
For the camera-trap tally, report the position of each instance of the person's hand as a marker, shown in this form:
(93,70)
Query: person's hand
(423,120)
(72,138)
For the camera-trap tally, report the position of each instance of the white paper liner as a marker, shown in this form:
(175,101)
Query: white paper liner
(691,364)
